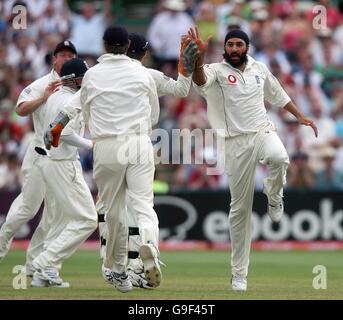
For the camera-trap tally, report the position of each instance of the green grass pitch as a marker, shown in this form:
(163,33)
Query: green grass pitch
(200,275)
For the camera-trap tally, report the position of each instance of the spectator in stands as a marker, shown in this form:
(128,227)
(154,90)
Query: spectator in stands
(11,176)
(22,52)
(53,22)
(10,131)
(337,114)
(42,64)
(231,14)
(206,19)
(290,132)
(193,115)
(327,136)
(165,32)
(180,178)
(88,28)
(199,179)
(300,176)
(7,75)
(329,178)
(324,49)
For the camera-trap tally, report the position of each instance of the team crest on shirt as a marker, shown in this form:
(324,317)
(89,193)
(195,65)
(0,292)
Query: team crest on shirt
(258,81)
(232,79)
(27,90)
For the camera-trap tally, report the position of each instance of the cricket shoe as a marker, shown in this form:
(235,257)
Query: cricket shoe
(275,208)
(28,270)
(40,283)
(275,212)
(50,274)
(152,270)
(239,284)
(120,281)
(138,279)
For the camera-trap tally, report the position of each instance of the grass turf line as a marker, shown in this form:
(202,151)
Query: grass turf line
(198,275)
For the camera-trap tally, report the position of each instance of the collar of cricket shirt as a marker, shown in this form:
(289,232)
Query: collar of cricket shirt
(113,57)
(136,61)
(54,75)
(68,89)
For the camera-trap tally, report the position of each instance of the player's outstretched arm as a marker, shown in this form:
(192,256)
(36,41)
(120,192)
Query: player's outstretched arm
(53,133)
(199,76)
(291,107)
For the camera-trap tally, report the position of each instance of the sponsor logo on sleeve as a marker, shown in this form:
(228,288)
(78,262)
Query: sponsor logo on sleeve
(28,90)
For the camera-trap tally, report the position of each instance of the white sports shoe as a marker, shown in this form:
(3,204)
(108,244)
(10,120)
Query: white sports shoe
(275,212)
(40,283)
(138,279)
(239,283)
(275,207)
(151,262)
(120,281)
(50,274)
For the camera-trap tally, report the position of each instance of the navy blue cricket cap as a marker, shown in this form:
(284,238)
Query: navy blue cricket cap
(116,36)
(74,68)
(65,45)
(237,33)
(138,43)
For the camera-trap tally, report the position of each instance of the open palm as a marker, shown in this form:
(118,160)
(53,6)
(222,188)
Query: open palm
(202,45)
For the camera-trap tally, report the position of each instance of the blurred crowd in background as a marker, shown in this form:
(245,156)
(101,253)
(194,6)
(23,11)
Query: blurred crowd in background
(308,62)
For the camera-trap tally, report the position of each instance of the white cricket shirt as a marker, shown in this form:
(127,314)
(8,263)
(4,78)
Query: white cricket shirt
(235,99)
(34,91)
(118,97)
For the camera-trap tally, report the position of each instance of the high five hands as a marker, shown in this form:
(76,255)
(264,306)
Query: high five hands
(193,50)
(193,33)
(189,53)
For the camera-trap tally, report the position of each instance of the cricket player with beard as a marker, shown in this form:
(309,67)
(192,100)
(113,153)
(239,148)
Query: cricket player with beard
(235,89)
(165,86)
(61,170)
(27,203)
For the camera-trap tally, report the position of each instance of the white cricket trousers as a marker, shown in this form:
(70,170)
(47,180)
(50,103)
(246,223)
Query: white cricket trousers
(124,166)
(242,154)
(26,204)
(77,218)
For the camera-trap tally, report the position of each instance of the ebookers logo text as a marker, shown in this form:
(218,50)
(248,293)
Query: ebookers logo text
(302,225)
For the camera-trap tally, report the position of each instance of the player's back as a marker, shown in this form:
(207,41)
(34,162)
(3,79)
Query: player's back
(116,93)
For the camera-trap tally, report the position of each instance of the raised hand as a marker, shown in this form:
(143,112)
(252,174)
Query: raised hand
(51,88)
(193,33)
(188,55)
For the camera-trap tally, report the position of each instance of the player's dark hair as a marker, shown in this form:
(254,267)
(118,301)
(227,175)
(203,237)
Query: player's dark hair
(116,49)
(136,55)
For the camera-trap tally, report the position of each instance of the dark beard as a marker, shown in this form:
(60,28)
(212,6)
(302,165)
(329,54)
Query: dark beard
(242,59)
